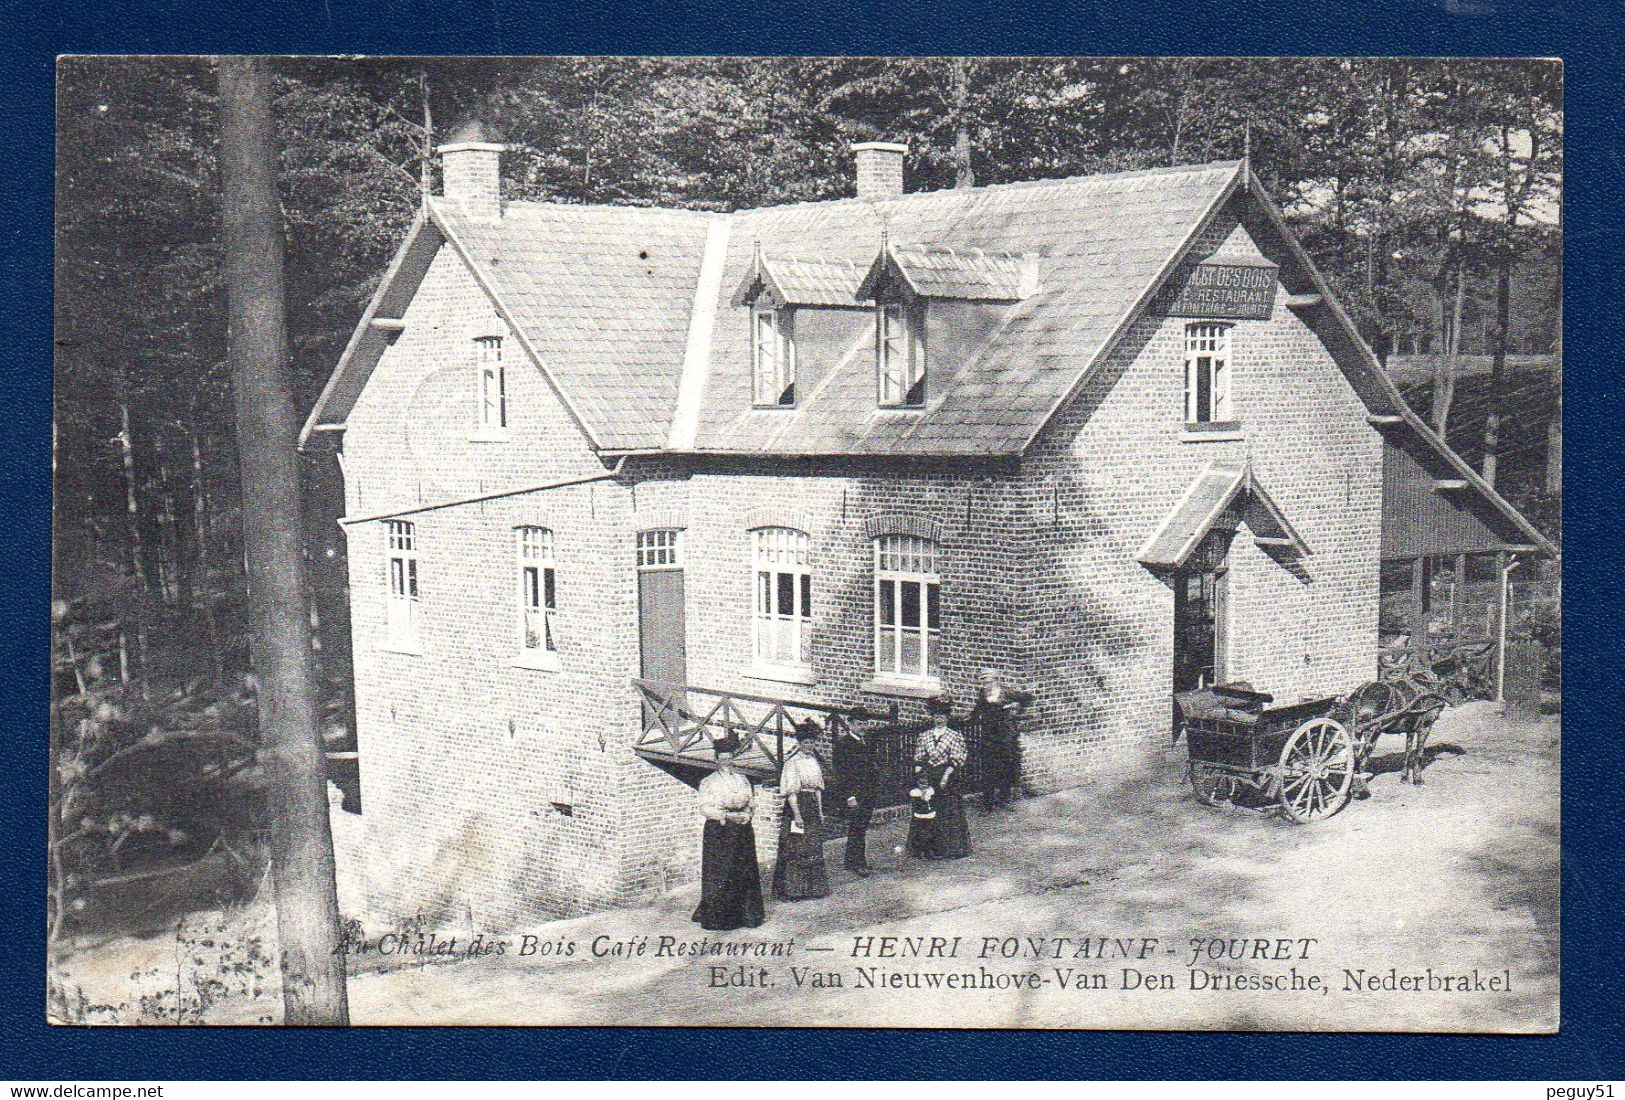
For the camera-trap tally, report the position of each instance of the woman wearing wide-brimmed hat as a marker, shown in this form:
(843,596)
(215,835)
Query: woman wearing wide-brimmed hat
(800,871)
(730,881)
(939,767)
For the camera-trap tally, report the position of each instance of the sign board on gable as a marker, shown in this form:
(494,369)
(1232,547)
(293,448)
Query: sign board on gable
(1242,292)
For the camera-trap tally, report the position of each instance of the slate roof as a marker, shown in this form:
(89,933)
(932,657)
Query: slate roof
(934,271)
(1104,241)
(603,296)
(802,282)
(1208,498)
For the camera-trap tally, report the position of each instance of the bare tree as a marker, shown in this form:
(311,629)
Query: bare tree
(313,990)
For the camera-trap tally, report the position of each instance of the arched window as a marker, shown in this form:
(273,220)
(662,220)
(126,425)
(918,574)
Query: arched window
(908,623)
(782,635)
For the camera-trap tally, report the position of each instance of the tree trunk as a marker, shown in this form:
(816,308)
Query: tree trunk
(964,174)
(1444,386)
(1498,363)
(301,843)
(132,534)
(202,568)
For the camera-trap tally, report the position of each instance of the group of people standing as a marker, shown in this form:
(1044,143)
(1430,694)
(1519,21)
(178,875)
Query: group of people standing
(730,880)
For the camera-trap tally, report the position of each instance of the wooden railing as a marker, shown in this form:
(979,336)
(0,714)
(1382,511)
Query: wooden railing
(680,722)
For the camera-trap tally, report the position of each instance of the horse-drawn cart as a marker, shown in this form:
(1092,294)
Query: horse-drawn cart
(1300,759)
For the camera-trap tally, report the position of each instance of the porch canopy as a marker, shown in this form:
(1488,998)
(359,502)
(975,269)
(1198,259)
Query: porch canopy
(1222,490)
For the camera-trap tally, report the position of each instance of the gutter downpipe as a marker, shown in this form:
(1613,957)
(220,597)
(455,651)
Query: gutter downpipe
(1501,644)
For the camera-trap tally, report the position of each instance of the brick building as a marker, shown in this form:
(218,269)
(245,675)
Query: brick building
(1110,434)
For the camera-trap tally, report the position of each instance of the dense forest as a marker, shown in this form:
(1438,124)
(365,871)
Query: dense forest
(1427,190)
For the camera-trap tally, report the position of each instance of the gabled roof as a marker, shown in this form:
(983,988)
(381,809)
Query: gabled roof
(800,282)
(621,310)
(600,297)
(1208,497)
(1379,391)
(1106,242)
(929,271)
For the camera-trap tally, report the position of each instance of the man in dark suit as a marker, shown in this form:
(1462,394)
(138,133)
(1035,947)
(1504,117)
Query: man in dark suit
(854,766)
(998,710)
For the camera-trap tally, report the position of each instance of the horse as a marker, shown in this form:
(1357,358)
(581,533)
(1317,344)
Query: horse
(1407,704)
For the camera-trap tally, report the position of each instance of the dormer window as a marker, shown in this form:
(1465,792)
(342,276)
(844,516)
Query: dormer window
(773,357)
(492,381)
(900,354)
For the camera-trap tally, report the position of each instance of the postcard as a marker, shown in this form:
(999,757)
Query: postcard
(793,541)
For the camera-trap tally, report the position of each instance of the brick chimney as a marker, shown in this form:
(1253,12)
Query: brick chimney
(880,169)
(471,170)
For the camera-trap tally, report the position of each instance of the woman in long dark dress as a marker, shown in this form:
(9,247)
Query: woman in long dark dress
(939,765)
(730,882)
(800,871)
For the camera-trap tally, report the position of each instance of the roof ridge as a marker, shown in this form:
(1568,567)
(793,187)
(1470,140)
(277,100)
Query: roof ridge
(1012,185)
(907,197)
(543,204)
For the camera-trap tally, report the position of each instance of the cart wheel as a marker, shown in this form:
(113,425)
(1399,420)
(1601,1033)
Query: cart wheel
(1317,770)
(1205,783)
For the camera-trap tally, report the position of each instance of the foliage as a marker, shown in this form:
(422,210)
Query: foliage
(148,781)
(1407,179)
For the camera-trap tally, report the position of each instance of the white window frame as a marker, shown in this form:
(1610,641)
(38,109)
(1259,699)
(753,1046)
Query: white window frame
(898,334)
(781,640)
(773,358)
(538,598)
(403,593)
(903,561)
(1207,362)
(660,548)
(490,390)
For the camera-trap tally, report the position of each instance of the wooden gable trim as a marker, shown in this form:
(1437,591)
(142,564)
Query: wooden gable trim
(886,275)
(371,333)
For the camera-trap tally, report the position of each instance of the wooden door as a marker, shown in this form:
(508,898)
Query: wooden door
(1199,628)
(663,657)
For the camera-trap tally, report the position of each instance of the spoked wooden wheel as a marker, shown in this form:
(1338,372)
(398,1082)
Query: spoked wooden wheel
(1205,782)
(1317,770)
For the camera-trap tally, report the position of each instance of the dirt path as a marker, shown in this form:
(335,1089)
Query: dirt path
(1459,875)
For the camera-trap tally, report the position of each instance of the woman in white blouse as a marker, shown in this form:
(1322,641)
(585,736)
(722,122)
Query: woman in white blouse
(800,871)
(730,882)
